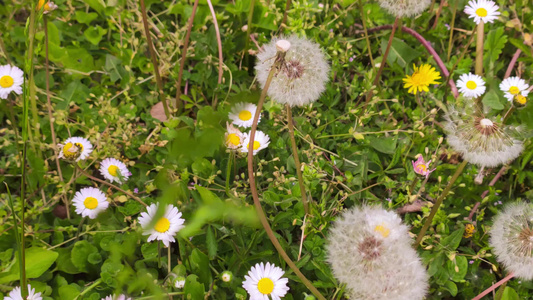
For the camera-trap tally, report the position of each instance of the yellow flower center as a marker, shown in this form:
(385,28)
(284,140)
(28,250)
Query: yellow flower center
(471,85)
(90,202)
(521,99)
(256,145)
(514,90)
(112,170)
(422,168)
(162,225)
(72,150)
(233,139)
(6,81)
(245,115)
(265,286)
(481,12)
(384,231)
(416,78)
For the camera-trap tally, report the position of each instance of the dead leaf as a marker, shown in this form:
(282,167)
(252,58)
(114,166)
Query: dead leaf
(158,112)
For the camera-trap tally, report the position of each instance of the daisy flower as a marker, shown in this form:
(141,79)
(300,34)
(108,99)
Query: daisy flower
(404,8)
(119,297)
(261,141)
(303,74)
(242,114)
(227,276)
(48,7)
(522,100)
(422,167)
(513,87)
(89,202)
(16,294)
(482,10)
(369,250)
(265,280)
(471,85)
(421,78)
(179,282)
(114,170)
(165,227)
(11,80)
(511,238)
(234,137)
(75,149)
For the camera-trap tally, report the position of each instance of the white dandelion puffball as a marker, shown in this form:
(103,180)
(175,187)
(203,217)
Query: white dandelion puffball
(511,238)
(302,76)
(242,114)
(89,202)
(11,80)
(16,294)
(482,10)
(163,229)
(513,87)
(261,141)
(114,170)
(119,297)
(369,250)
(265,280)
(234,137)
(480,140)
(404,8)
(75,149)
(471,85)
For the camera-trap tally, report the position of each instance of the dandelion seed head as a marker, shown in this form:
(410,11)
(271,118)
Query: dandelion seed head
(404,8)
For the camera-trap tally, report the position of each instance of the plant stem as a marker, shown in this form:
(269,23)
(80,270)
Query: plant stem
(184,56)
(363,17)
(452,28)
(219,43)
(249,24)
(228,170)
(284,20)
(111,185)
(494,286)
(439,202)
(154,60)
(512,63)
(169,261)
(479,48)
(253,188)
(297,160)
(89,288)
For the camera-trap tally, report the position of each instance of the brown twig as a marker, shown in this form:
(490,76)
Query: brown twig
(512,63)
(219,43)
(284,20)
(494,286)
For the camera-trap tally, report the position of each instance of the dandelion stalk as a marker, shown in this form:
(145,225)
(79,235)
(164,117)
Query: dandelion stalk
(479,48)
(494,286)
(184,55)
(253,188)
(297,160)
(154,60)
(228,170)
(219,43)
(439,202)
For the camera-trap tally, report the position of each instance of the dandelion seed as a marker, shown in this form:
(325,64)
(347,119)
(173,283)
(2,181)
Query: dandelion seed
(421,78)
(75,149)
(242,114)
(114,170)
(165,228)
(422,167)
(16,294)
(471,85)
(482,10)
(515,88)
(302,77)
(11,80)
(261,141)
(265,280)
(511,237)
(234,137)
(404,8)
(89,202)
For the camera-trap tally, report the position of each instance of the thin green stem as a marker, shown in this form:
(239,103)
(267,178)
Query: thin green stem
(439,202)
(154,60)
(262,217)
(297,160)
(452,28)
(15,228)
(363,17)
(89,288)
(249,24)
(220,57)
(231,154)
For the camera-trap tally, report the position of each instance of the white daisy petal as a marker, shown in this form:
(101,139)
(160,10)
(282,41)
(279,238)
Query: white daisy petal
(114,170)
(89,202)
(514,86)
(75,149)
(482,10)
(119,297)
(11,80)
(260,284)
(165,228)
(471,85)
(16,294)
(261,141)
(242,114)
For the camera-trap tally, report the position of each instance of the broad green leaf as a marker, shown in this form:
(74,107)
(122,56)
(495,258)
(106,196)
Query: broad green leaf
(38,260)
(510,294)
(457,268)
(85,18)
(451,287)
(211,243)
(494,44)
(193,289)
(113,67)
(80,254)
(492,100)
(200,266)
(452,241)
(399,52)
(94,34)
(68,292)
(384,144)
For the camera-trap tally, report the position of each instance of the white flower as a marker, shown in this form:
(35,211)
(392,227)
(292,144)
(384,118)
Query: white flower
(114,170)
(369,250)
(482,10)
(179,282)
(480,140)
(242,114)
(227,276)
(303,75)
(404,8)
(165,227)
(119,297)
(263,281)
(89,202)
(234,137)
(75,149)
(11,80)
(261,141)
(513,87)
(471,85)
(511,237)
(16,294)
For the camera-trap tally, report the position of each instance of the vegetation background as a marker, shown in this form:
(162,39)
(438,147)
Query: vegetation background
(102,87)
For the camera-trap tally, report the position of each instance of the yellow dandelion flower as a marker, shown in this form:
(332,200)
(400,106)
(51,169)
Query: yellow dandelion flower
(421,78)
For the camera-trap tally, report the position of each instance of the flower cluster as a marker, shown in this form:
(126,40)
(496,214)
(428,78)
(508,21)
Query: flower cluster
(242,115)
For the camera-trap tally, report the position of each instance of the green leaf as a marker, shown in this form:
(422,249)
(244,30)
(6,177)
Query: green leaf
(492,100)
(193,289)
(64,262)
(80,254)
(384,144)
(85,18)
(68,292)
(38,260)
(494,44)
(451,287)
(457,268)
(113,67)
(94,34)
(452,241)
(399,52)
(510,294)
(200,266)
(211,243)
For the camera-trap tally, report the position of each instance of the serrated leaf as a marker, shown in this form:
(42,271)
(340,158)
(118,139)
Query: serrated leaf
(494,44)
(492,100)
